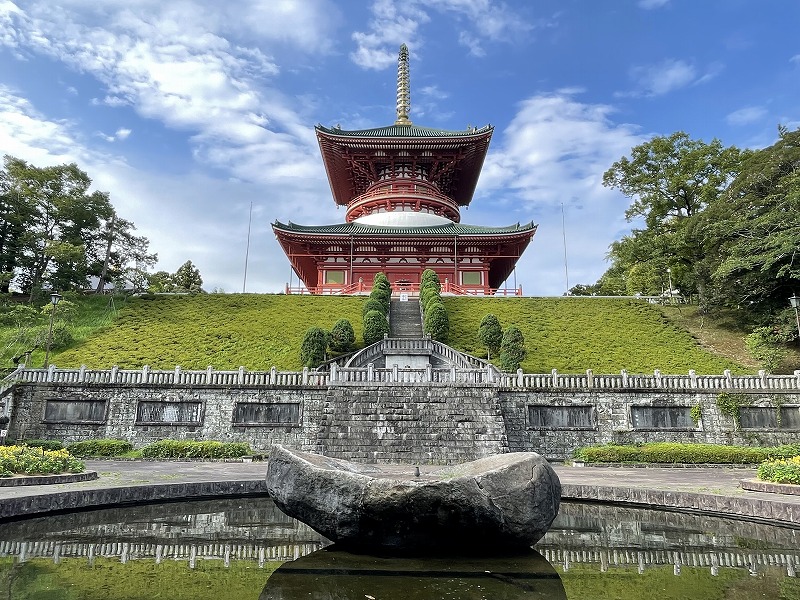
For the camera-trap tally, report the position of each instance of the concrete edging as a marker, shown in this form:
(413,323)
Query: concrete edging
(47,479)
(39,504)
(756,485)
(764,511)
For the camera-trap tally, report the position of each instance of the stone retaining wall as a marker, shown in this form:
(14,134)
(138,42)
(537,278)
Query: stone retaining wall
(401,422)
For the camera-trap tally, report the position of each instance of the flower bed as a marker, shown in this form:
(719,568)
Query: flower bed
(781,471)
(24,460)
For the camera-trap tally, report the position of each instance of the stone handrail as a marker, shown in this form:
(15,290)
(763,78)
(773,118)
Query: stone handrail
(486,374)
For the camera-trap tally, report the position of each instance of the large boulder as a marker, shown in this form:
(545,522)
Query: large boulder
(499,502)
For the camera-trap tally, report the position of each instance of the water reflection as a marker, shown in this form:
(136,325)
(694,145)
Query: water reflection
(332,573)
(585,550)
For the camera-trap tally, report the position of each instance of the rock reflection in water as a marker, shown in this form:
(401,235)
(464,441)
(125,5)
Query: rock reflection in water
(330,574)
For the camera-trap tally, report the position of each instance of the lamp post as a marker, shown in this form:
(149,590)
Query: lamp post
(669,275)
(54,299)
(795,302)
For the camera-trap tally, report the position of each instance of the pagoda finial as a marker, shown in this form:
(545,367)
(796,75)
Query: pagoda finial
(403,88)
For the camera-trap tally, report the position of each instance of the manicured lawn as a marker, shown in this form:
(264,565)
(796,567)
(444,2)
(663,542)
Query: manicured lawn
(575,334)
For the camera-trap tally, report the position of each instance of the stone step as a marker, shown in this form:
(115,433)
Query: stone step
(405,319)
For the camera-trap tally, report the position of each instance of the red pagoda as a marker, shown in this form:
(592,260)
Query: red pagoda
(403,186)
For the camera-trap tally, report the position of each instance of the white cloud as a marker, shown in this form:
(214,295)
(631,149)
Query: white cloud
(665,77)
(392,24)
(746,115)
(555,151)
(171,63)
(395,23)
(472,43)
(27,134)
(652,4)
(795,59)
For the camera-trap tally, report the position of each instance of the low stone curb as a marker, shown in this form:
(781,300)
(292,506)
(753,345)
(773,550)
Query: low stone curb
(138,494)
(47,479)
(756,485)
(764,511)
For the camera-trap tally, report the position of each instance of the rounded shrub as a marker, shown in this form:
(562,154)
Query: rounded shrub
(373,304)
(437,324)
(490,333)
(343,338)
(312,350)
(512,349)
(375,327)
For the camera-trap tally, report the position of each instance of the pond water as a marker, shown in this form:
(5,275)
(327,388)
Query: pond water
(246,549)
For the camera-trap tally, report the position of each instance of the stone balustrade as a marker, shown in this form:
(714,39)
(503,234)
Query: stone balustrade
(484,375)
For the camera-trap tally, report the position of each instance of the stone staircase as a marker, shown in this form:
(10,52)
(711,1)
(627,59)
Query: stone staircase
(405,320)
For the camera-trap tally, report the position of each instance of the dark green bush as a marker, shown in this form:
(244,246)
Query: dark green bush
(437,325)
(44,444)
(666,452)
(430,279)
(373,304)
(512,349)
(102,448)
(490,333)
(343,338)
(314,346)
(194,449)
(382,295)
(375,326)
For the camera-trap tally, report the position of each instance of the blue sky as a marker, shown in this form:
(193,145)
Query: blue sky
(188,111)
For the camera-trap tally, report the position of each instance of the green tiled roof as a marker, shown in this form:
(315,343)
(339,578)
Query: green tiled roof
(445,230)
(404,131)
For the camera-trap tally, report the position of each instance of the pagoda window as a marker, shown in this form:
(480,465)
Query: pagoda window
(471,278)
(334,277)
(441,249)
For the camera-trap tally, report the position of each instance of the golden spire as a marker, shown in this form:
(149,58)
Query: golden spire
(403,88)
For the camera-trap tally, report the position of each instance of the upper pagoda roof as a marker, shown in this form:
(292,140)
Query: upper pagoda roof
(359,229)
(404,131)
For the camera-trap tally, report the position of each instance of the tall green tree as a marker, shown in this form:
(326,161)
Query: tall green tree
(187,278)
(55,232)
(490,334)
(671,180)
(313,347)
(126,257)
(756,231)
(343,338)
(63,220)
(512,349)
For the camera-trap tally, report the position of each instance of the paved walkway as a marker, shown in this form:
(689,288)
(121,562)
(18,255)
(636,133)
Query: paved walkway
(711,490)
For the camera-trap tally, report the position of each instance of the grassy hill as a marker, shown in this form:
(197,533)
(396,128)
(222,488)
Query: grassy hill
(575,334)
(259,331)
(222,330)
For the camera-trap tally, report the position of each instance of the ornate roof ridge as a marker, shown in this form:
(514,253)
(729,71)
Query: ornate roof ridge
(447,229)
(396,130)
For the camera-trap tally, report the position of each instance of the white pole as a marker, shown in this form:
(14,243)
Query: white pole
(564,236)
(247,251)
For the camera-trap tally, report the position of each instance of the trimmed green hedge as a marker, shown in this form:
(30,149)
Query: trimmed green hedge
(781,471)
(101,448)
(192,449)
(665,452)
(46,444)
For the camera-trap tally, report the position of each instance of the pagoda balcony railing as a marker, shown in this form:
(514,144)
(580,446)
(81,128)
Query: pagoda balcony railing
(412,289)
(404,193)
(486,375)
